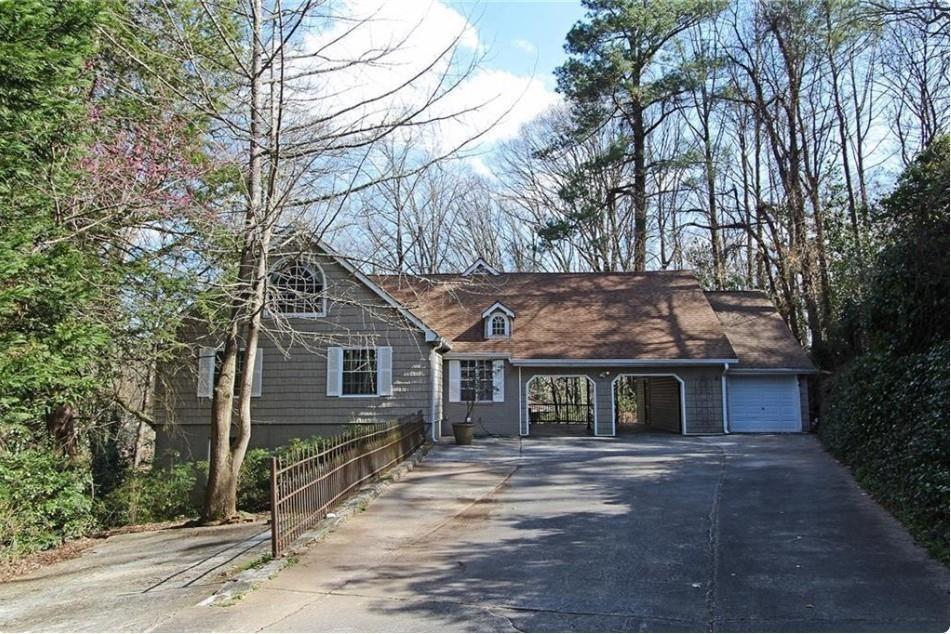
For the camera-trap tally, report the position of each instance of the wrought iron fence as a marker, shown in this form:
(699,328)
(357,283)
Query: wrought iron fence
(307,485)
(560,413)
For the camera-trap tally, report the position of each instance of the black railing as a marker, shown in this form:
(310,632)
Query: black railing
(560,413)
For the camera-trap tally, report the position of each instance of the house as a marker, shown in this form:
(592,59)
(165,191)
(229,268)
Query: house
(533,353)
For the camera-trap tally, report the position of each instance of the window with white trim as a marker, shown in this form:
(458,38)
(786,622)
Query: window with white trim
(209,367)
(499,326)
(359,372)
(296,289)
(476,380)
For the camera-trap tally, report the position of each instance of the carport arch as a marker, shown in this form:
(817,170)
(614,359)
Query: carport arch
(647,375)
(594,396)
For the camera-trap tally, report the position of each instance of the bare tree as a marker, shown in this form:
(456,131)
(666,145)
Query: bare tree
(310,96)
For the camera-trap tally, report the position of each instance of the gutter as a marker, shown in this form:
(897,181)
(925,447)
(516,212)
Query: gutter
(619,362)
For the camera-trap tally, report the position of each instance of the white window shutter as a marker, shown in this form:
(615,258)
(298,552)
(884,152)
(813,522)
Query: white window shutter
(455,382)
(258,372)
(334,371)
(384,371)
(206,372)
(498,381)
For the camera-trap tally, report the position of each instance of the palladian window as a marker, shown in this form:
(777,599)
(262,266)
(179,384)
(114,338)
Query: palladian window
(296,289)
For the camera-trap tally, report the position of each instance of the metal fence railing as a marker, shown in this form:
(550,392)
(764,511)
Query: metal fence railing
(307,485)
(560,413)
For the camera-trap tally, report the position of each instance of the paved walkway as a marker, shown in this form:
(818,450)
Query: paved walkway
(652,532)
(130,582)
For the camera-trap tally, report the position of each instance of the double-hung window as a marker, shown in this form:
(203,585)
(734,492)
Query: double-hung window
(359,372)
(476,380)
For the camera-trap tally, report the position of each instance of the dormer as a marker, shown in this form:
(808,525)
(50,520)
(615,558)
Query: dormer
(480,267)
(497,321)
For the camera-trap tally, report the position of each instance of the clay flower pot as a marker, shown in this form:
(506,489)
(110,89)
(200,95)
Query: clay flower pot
(463,433)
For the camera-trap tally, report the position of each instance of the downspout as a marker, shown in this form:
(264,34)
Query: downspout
(434,358)
(520,410)
(726,367)
(436,361)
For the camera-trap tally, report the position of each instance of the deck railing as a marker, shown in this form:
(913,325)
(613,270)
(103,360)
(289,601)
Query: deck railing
(308,484)
(560,413)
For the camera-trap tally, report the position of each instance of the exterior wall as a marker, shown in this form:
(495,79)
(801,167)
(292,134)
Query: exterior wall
(702,387)
(293,401)
(804,402)
(663,407)
(704,400)
(489,418)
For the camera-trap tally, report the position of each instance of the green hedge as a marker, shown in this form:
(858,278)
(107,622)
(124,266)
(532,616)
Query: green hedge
(254,481)
(887,419)
(158,495)
(44,500)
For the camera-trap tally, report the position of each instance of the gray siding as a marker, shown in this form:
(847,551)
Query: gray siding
(489,418)
(293,401)
(704,400)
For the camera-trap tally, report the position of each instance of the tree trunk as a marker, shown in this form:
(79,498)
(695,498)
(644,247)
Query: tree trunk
(719,271)
(226,457)
(61,425)
(843,127)
(640,188)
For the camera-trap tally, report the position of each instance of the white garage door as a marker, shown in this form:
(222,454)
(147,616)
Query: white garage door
(764,403)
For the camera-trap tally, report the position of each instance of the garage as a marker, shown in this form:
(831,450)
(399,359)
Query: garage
(764,403)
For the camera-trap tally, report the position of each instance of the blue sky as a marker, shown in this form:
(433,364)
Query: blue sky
(516,44)
(523,37)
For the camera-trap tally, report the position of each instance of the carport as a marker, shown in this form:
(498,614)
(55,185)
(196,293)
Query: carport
(561,404)
(648,401)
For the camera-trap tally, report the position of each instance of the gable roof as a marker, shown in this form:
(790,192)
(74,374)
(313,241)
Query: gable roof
(659,315)
(757,332)
(480,266)
(429,333)
(498,307)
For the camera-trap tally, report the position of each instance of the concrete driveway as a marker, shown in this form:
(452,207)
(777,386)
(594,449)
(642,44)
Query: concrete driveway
(646,532)
(130,582)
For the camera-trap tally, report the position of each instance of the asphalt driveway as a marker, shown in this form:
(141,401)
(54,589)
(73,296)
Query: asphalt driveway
(130,582)
(649,532)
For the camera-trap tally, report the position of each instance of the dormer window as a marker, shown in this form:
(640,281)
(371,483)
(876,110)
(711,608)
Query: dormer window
(499,326)
(498,321)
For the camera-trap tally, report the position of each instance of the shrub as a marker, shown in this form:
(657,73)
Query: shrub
(158,495)
(44,500)
(254,481)
(887,419)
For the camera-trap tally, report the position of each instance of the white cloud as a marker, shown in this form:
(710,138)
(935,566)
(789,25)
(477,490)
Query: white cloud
(525,46)
(504,101)
(491,102)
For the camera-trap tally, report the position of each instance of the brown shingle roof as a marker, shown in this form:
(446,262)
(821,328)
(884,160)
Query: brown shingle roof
(656,315)
(757,332)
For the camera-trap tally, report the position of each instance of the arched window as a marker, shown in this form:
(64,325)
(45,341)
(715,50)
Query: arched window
(296,289)
(499,326)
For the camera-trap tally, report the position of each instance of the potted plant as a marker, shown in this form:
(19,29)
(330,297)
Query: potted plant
(480,388)
(463,431)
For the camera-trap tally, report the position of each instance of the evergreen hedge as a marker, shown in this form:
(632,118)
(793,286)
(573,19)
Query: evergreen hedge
(887,420)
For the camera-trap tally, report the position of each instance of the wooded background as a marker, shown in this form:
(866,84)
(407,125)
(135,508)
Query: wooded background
(154,153)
